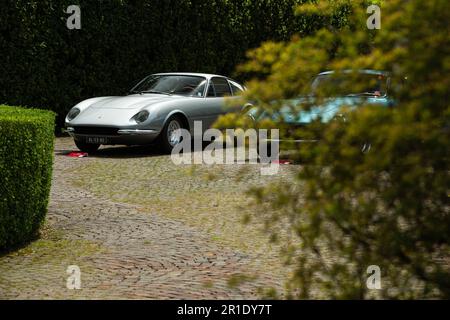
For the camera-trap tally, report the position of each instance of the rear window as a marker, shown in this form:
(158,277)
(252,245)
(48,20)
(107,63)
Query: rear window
(221,87)
(236,88)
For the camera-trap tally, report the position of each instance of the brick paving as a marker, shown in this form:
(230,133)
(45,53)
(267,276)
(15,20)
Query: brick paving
(124,250)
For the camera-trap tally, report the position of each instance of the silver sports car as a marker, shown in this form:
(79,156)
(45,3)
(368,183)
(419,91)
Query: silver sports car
(152,111)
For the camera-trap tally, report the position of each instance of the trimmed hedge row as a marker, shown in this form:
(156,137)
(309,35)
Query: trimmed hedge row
(26,157)
(121,41)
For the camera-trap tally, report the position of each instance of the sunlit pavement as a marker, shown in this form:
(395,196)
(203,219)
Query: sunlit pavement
(120,217)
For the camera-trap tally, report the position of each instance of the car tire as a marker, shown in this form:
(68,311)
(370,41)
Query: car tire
(167,140)
(87,147)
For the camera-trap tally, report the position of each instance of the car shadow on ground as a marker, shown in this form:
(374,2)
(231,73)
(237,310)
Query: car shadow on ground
(120,152)
(130,152)
(123,151)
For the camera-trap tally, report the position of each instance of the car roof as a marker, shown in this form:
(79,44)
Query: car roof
(364,71)
(204,75)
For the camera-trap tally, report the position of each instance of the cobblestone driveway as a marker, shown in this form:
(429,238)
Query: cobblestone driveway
(140,228)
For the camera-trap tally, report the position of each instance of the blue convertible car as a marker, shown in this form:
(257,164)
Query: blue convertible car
(346,88)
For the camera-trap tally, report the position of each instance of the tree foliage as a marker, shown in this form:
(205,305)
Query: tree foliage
(390,207)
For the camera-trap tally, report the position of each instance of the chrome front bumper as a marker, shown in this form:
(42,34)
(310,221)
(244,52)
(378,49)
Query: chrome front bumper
(136,132)
(122,136)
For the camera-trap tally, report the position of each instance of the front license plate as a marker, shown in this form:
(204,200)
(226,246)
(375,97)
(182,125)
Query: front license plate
(97,140)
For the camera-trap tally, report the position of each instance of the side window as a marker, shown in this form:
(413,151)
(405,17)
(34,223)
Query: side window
(211,91)
(221,87)
(199,91)
(237,88)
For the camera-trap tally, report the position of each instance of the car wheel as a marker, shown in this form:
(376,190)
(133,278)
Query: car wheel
(171,135)
(87,147)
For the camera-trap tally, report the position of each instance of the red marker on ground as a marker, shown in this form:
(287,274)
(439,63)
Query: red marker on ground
(77,154)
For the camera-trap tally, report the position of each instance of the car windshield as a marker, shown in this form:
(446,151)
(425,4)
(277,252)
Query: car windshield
(192,86)
(360,84)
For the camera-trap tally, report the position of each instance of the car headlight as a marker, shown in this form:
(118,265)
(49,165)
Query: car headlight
(73,114)
(141,116)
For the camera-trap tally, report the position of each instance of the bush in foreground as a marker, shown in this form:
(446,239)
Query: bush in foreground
(26,156)
(389,208)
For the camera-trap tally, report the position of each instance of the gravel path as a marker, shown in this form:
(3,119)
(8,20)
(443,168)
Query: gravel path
(139,231)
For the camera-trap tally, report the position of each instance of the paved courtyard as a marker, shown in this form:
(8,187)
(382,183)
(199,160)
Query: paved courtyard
(140,227)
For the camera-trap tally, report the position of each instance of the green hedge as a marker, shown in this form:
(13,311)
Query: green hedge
(121,41)
(26,156)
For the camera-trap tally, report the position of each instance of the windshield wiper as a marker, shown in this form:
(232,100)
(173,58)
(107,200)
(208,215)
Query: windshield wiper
(156,92)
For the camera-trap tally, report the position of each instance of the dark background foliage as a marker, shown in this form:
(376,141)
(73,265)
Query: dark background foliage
(44,64)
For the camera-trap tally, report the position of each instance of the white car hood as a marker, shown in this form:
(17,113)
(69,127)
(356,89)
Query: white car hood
(135,101)
(118,111)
